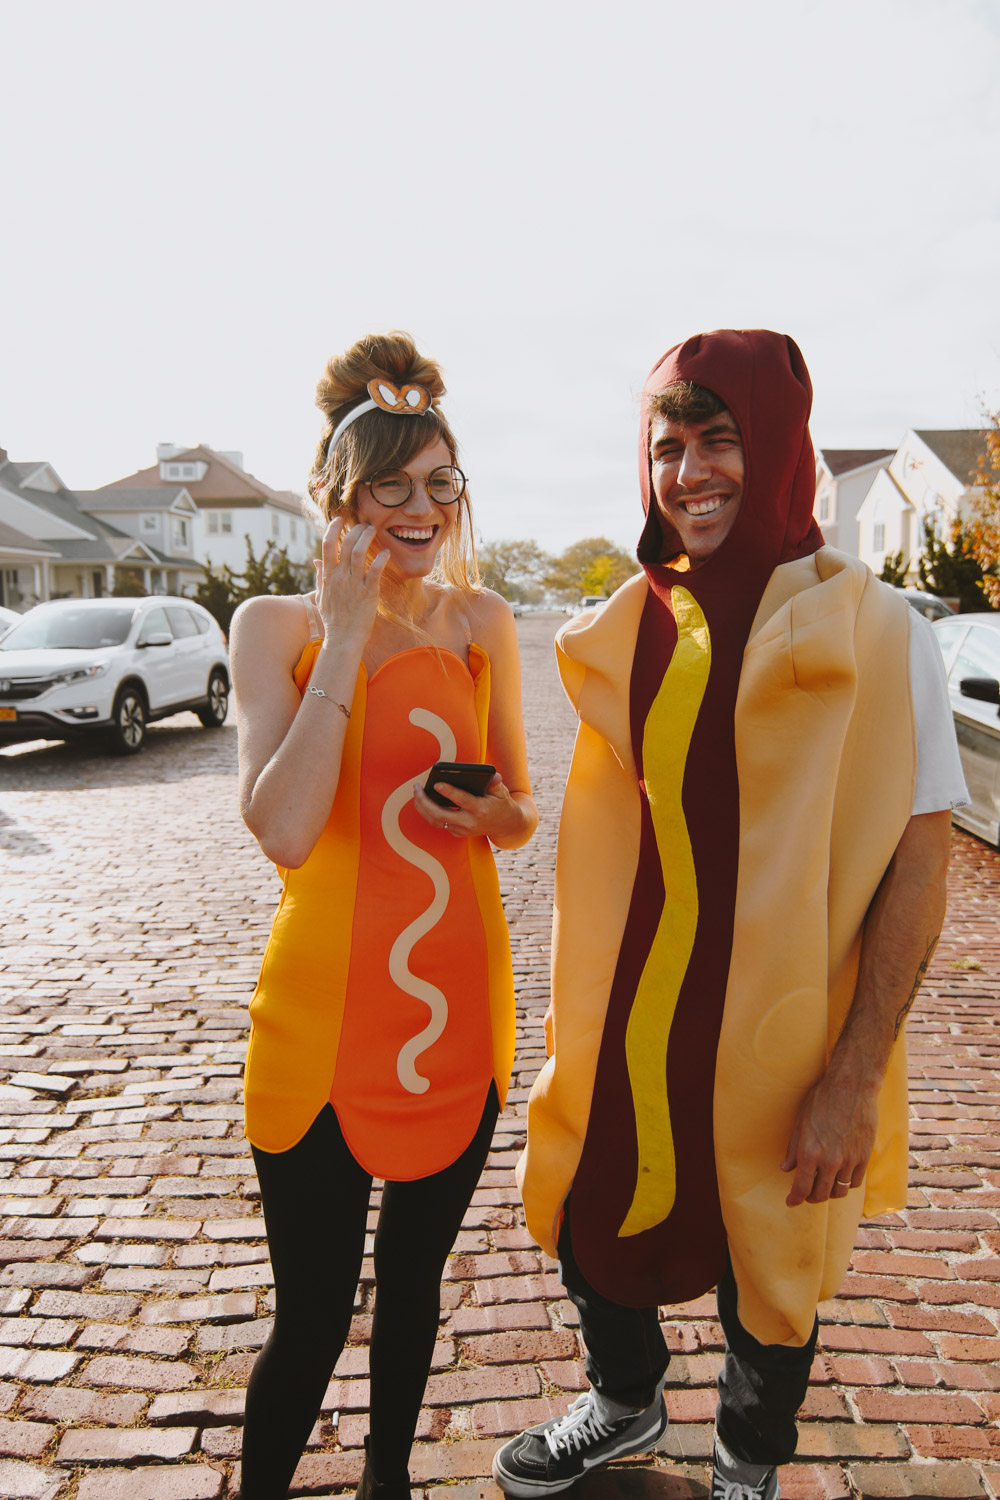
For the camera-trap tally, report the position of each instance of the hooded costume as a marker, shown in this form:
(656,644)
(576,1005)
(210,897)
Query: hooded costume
(733,803)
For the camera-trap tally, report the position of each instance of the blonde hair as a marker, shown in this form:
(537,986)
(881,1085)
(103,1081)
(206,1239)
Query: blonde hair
(383,440)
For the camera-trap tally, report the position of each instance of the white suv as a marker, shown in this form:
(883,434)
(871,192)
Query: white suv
(76,666)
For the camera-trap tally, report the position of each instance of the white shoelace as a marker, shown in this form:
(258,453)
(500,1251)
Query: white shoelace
(735,1491)
(580,1425)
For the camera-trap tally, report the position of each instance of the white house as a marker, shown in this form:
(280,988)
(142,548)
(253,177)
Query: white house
(931,476)
(230,506)
(163,520)
(843,479)
(50,548)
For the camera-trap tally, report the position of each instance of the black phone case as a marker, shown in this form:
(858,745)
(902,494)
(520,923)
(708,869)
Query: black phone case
(471,776)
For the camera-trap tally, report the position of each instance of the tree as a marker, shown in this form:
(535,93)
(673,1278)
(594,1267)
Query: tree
(128,584)
(952,573)
(272,573)
(515,569)
(983,521)
(894,569)
(593,566)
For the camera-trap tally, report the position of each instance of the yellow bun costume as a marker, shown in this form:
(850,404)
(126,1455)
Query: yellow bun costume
(733,803)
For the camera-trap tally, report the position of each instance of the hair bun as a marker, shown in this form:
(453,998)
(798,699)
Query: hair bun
(378,356)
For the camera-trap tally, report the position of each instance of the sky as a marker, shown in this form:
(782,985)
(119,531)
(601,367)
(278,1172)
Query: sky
(204,199)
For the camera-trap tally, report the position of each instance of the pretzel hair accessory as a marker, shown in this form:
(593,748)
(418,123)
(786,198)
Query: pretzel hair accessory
(402,401)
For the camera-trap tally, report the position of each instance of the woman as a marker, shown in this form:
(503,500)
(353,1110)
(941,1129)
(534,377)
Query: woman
(383,1018)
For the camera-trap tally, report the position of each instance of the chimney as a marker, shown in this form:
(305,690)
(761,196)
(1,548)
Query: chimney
(166,450)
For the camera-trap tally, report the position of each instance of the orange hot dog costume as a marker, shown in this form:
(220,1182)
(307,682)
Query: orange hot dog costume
(386,986)
(732,805)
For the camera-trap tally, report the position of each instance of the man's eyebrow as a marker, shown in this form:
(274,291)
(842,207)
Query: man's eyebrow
(725,425)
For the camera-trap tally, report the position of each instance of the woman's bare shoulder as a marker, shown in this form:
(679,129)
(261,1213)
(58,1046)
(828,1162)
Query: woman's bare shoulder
(492,623)
(284,613)
(489,611)
(270,628)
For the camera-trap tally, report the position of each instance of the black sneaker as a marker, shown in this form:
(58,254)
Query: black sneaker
(733,1480)
(553,1455)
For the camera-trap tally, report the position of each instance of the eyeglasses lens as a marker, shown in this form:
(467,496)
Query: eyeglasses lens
(392,486)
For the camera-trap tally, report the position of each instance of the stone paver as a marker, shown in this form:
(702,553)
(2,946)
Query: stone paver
(134,1282)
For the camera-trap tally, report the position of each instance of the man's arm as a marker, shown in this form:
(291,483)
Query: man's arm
(834,1130)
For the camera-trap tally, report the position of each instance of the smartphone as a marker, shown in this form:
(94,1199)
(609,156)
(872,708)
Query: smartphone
(469,775)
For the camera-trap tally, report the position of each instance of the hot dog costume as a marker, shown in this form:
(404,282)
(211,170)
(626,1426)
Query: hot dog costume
(386,987)
(743,772)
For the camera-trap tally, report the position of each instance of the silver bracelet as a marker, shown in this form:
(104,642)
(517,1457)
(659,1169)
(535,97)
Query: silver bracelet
(319,693)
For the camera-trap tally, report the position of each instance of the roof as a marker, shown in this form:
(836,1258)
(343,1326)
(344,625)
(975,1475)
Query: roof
(958,448)
(843,460)
(12,540)
(224,483)
(130,500)
(102,542)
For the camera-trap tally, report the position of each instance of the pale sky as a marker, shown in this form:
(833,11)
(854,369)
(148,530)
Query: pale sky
(204,199)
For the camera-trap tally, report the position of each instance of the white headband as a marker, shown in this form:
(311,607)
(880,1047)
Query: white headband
(401,401)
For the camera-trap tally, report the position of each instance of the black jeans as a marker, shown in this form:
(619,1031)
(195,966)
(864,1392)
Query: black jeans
(315,1200)
(761,1386)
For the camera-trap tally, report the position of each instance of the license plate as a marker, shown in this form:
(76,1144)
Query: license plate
(8,713)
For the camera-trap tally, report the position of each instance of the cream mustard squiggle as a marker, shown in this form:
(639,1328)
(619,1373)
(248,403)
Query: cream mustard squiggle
(665,743)
(399,954)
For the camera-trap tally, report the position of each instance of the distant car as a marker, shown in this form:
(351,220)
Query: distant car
(928,605)
(970,645)
(110,667)
(590,601)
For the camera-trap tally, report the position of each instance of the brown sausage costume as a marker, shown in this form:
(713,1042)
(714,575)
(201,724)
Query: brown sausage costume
(732,806)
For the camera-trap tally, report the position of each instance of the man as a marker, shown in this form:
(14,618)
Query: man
(749,887)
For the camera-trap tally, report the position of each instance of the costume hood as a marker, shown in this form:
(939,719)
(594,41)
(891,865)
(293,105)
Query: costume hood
(762,379)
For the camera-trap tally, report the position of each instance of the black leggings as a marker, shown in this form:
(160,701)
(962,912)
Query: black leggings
(315,1199)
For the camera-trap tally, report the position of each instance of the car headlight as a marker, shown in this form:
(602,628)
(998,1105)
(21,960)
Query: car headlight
(79,674)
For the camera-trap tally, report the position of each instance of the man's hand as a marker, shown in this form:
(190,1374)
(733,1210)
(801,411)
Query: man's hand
(831,1140)
(834,1131)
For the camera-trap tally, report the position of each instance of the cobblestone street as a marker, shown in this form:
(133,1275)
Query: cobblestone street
(135,1288)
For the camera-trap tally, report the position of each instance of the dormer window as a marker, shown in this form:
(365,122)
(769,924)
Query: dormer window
(183,473)
(150,523)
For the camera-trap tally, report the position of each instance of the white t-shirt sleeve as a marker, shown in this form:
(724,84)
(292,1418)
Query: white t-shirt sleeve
(940,780)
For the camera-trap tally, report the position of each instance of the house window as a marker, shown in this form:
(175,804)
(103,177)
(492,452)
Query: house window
(180,532)
(150,523)
(824,507)
(878,539)
(295,529)
(226,522)
(275,518)
(212,522)
(98,582)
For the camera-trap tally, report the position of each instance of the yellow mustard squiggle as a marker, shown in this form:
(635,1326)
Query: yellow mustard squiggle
(665,742)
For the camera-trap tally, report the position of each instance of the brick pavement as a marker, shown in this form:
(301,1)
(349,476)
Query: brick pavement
(135,1286)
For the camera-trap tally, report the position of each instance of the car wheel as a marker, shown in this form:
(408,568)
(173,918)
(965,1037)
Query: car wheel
(127,734)
(213,715)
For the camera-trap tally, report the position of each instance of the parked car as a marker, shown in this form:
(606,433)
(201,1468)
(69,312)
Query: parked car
(110,667)
(970,645)
(928,605)
(8,617)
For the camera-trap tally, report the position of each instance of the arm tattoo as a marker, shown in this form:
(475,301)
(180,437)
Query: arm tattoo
(918,980)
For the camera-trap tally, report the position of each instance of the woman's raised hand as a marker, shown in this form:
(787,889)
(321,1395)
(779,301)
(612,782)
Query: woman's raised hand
(347,585)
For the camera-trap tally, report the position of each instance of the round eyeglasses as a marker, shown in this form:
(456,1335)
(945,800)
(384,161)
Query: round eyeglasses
(392,487)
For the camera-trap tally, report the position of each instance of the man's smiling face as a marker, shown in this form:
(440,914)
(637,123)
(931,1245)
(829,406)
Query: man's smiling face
(697,472)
